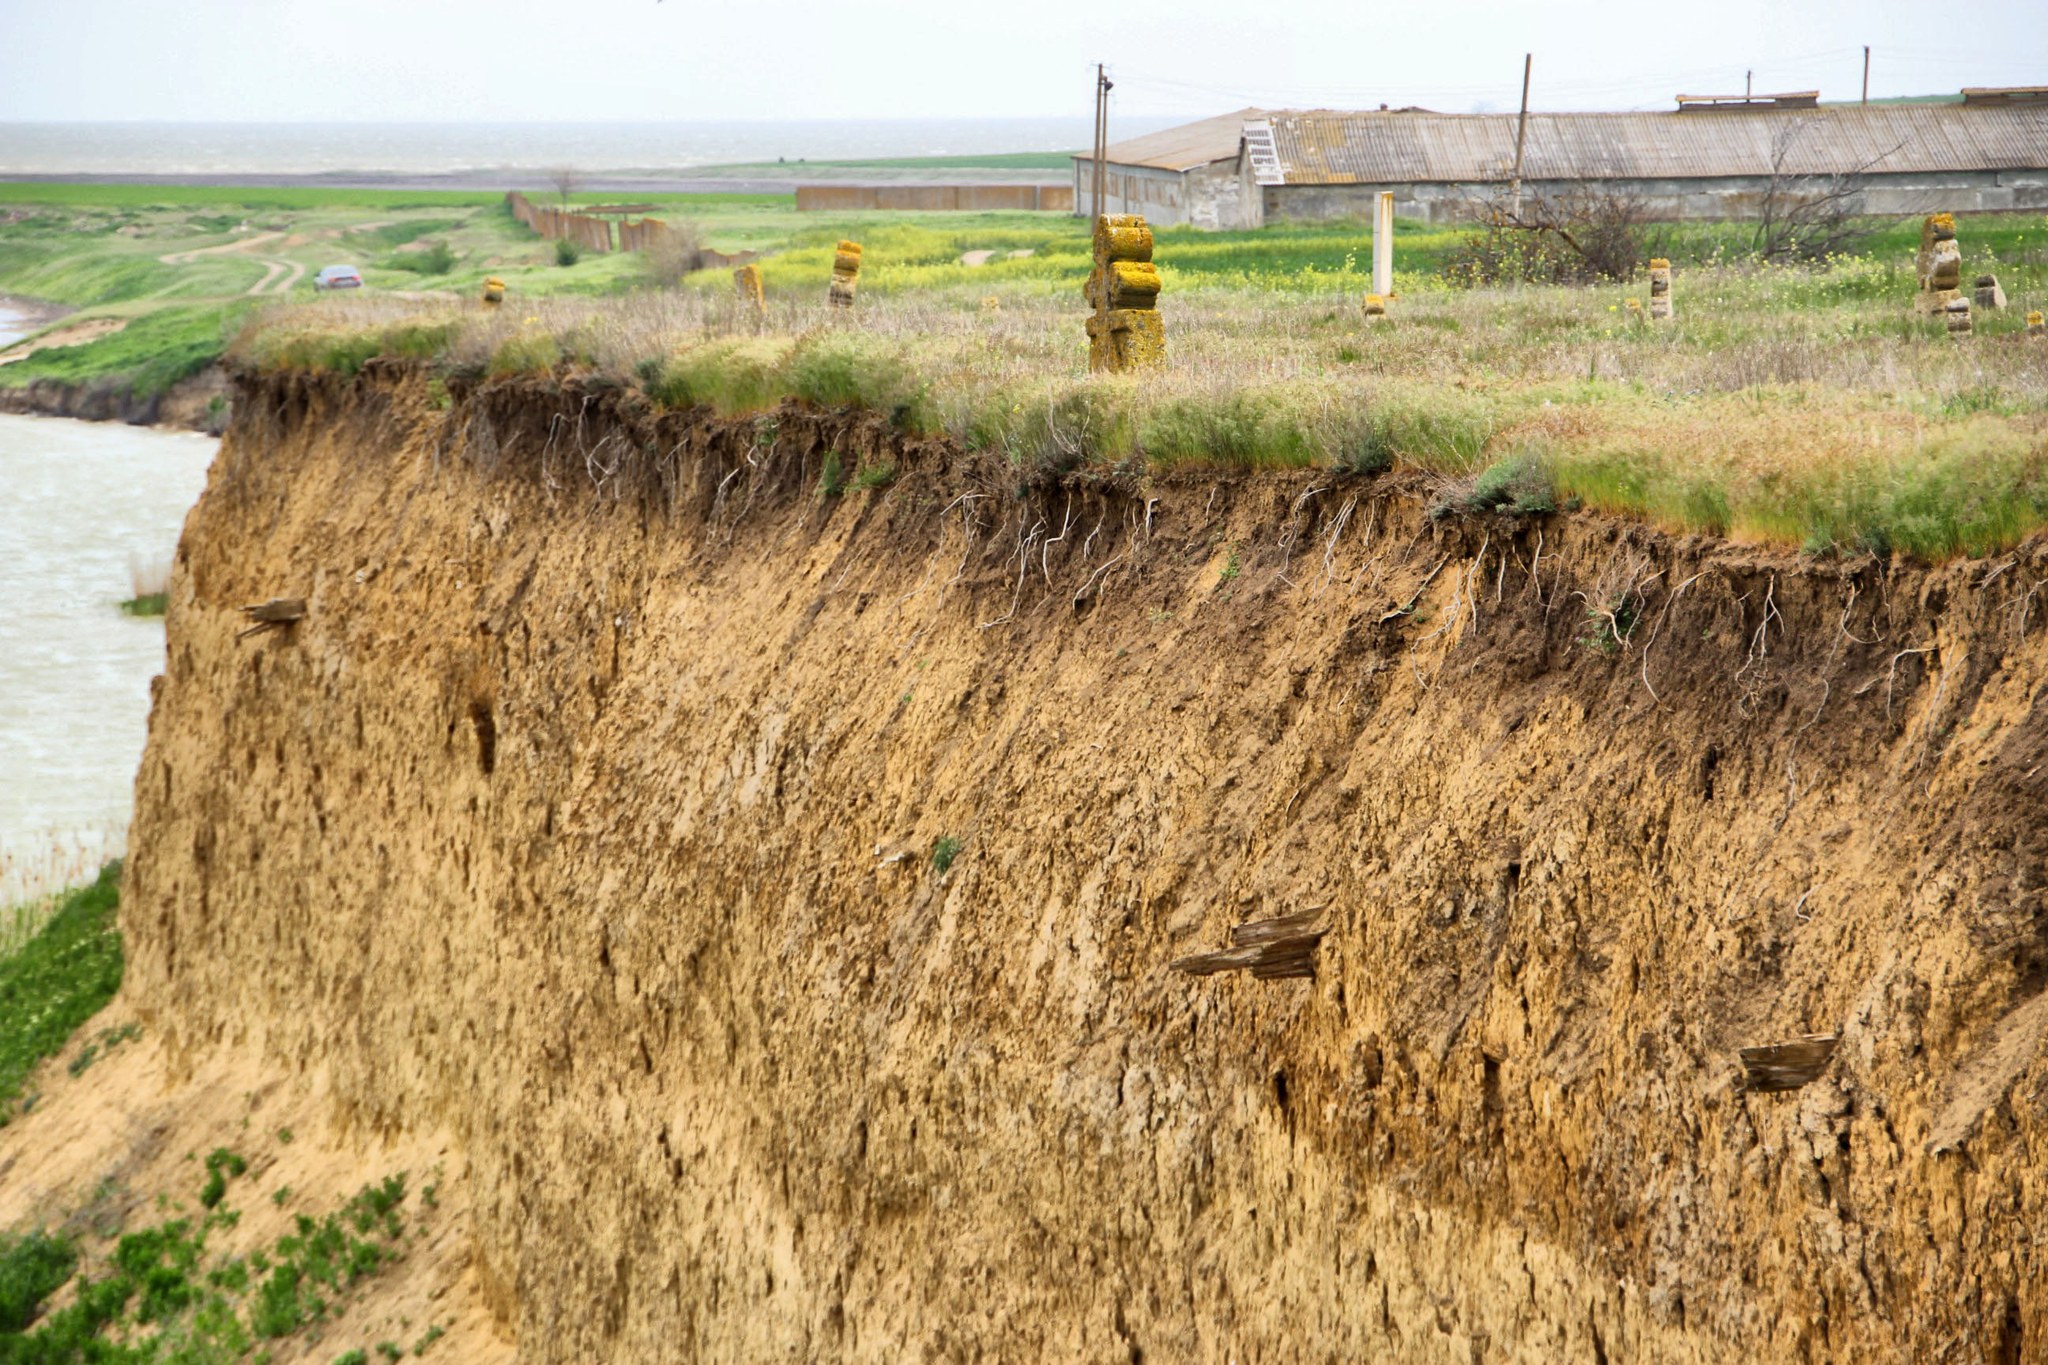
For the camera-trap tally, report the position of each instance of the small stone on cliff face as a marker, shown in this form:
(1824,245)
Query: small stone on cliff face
(1786,1066)
(1271,949)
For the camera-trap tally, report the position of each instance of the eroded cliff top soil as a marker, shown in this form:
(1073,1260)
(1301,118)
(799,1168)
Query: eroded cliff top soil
(590,815)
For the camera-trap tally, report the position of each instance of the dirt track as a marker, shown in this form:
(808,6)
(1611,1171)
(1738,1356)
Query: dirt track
(279,274)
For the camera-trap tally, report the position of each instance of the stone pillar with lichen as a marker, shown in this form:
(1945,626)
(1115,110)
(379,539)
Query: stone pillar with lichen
(1956,313)
(1941,263)
(2036,326)
(845,274)
(746,282)
(1660,290)
(1125,332)
(1375,307)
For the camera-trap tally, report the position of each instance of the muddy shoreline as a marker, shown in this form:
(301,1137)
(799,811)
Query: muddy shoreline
(196,404)
(28,316)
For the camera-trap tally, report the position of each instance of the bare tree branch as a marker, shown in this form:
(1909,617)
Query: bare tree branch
(1806,217)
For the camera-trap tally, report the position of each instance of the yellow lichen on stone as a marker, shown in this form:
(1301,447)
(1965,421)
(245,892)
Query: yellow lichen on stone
(1122,237)
(746,282)
(1126,339)
(494,290)
(1660,289)
(845,274)
(1125,332)
(1940,263)
(1132,284)
(2036,326)
(1375,307)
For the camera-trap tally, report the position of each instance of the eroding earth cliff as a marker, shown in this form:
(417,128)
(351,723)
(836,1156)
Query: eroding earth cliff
(585,827)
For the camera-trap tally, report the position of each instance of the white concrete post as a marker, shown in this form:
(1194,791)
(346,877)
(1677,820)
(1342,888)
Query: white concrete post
(1383,246)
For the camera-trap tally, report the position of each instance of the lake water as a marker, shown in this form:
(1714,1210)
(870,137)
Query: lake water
(80,503)
(295,149)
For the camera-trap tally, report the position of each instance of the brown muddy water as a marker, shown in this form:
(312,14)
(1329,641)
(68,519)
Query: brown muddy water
(82,505)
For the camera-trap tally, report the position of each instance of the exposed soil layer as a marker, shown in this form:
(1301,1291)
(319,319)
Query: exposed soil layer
(587,817)
(195,404)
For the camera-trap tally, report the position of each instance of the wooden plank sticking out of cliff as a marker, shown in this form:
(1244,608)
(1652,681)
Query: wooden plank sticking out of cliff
(1786,1066)
(275,614)
(1270,949)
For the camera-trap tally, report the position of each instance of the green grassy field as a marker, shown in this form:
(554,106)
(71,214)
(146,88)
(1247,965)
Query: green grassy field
(1806,405)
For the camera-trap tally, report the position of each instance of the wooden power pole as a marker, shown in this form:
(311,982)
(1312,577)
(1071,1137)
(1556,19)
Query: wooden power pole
(1866,73)
(1102,89)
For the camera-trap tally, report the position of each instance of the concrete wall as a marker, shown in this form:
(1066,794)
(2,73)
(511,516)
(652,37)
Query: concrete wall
(1718,198)
(1212,196)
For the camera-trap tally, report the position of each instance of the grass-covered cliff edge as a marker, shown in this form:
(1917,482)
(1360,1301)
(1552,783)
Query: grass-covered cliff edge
(1800,407)
(589,819)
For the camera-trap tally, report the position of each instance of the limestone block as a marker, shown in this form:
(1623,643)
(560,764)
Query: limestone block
(746,282)
(1957,315)
(1940,256)
(1946,269)
(2036,326)
(1988,292)
(845,274)
(1132,284)
(1126,339)
(1660,289)
(1375,307)
(494,290)
(1125,332)
(1122,237)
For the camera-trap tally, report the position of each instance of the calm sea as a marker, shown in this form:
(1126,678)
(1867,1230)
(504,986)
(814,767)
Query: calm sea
(294,149)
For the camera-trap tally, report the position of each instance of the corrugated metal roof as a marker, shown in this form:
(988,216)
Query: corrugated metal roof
(1328,147)
(1373,148)
(1182,148)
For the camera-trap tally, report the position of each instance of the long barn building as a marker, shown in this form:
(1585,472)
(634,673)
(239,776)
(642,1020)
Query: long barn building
(1712,157)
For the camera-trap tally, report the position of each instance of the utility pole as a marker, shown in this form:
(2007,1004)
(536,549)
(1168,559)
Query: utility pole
(1748,78)
(1866,73)
(1102,89)
(1098,221)
(1521,130)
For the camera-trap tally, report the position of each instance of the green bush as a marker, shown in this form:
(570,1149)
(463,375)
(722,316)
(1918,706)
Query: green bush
(526,353)
(567,252)
(436,258)
(832,476)
(842,371)
(33,1266)
(1519,484)
(731,377)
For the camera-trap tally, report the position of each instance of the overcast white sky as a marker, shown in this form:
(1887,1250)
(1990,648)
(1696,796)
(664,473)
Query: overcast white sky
(432,60)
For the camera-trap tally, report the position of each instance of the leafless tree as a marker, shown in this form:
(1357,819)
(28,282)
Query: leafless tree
(1807,216)
(566,180)
(1583,231)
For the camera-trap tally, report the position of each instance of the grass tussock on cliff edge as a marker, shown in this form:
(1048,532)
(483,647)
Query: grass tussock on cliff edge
(1783,406)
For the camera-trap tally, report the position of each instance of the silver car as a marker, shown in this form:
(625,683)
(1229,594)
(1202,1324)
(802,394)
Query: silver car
(338,277)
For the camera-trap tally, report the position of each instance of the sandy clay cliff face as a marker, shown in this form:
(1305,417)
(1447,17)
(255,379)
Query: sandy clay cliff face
(588,816)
